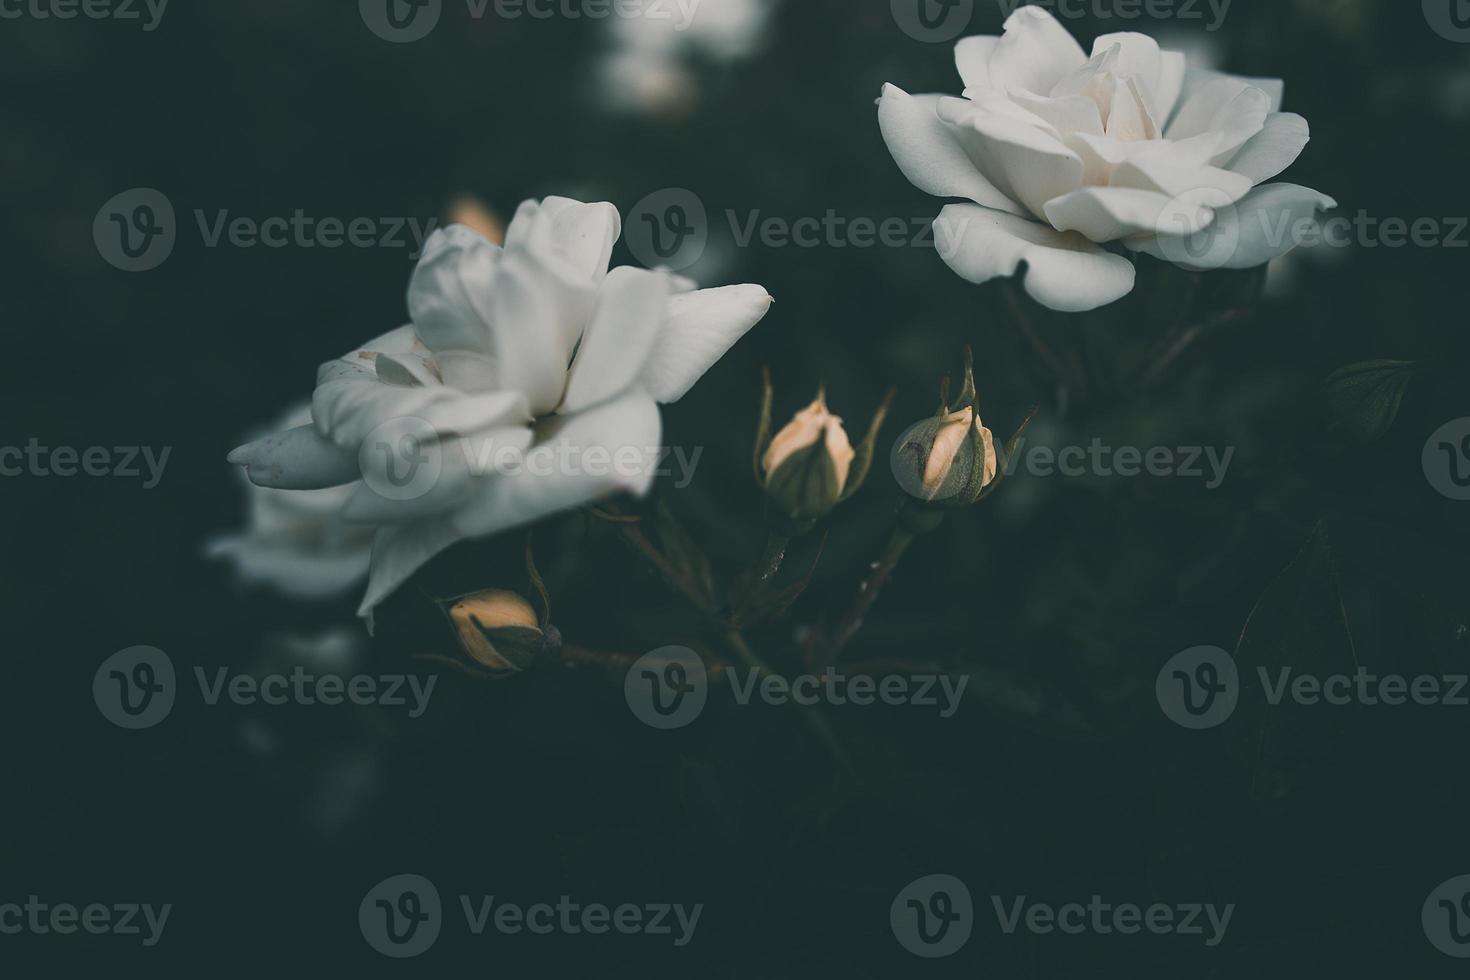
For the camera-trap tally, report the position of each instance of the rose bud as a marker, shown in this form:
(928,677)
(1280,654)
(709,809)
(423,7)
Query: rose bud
(811,466)
(500,631)
(950,460)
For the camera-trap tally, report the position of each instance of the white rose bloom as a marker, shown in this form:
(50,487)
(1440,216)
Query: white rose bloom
(534,349)
(1061,153)
(297,541)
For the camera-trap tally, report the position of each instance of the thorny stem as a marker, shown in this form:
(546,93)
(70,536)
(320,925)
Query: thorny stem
(771,560)
(1160,368)
(878,574)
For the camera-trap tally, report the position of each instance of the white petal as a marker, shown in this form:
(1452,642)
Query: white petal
(1274,148)
(1067,114)
(1138,54)
(972,58)
(584,233)
(699,329)
(585,458)
(350,402)
(1163,173)
(400,551)
(616,347)
(1064,271)
(463,462)
(1267,223)
(535,319)
(1172,66)
(297,459)
(1034,53)
(1027,164)
(1216,104)
(449,292)
(930,152)
(1106,214)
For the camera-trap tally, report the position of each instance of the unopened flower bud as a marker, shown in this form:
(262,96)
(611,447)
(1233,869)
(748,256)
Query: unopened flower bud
(500,631)
(807,464)
(946,460)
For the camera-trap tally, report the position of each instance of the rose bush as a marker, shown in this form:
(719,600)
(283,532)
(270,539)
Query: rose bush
(532,347)
(1060,154)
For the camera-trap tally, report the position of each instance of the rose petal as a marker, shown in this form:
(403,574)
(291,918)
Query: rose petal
(1273,149)
(1105,214)
(699,328)
(398,552)
(1035,52)
(1027,164)
(972,58)
(574,464)
(616,347)
(1064,271)
(931,153)
(1265,224)
(297,459)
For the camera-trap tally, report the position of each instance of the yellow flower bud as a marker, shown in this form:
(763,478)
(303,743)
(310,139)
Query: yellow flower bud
(499,630)
(808,462)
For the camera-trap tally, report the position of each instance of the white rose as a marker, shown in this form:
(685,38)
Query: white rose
(534,350)
(1061,152)
(298,541)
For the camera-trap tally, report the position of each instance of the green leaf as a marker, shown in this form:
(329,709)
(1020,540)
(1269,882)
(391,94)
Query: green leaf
(1364,399)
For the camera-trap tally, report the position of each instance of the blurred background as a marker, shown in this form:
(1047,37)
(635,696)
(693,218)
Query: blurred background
(1061,598)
